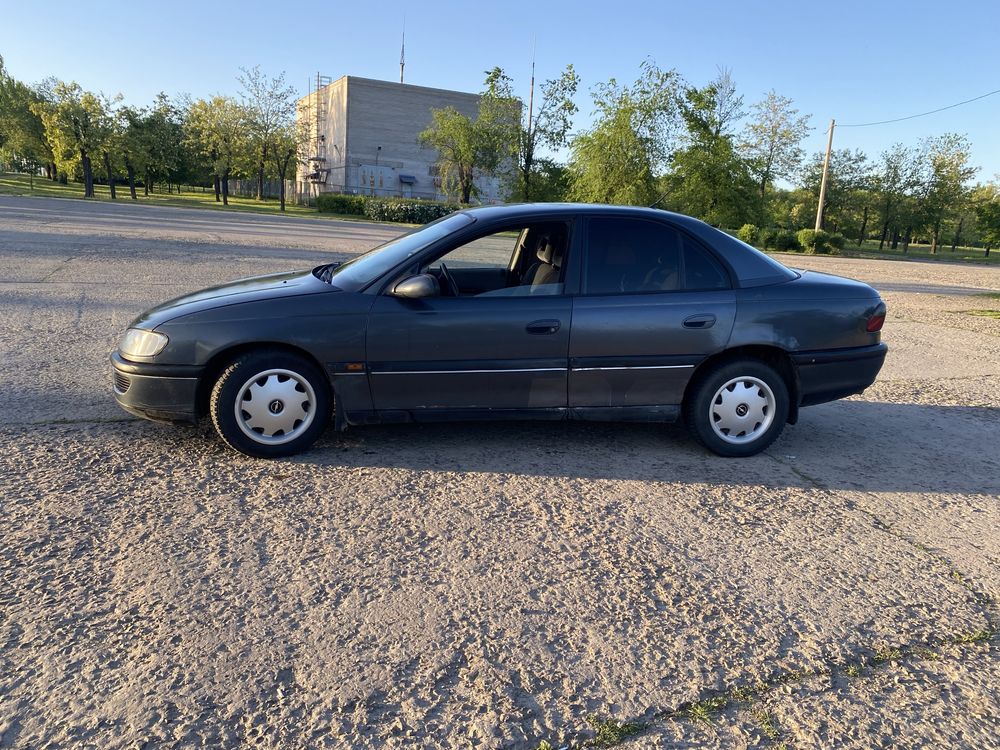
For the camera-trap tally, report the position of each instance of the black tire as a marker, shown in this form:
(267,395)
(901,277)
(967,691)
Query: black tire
(761,412)
(291,412)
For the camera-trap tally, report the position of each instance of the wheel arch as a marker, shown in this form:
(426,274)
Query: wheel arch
(774,356)
(224,357)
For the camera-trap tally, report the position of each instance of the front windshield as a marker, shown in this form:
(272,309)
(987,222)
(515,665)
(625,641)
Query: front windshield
(364,269)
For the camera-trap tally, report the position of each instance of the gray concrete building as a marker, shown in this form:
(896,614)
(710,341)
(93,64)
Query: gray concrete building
(363,139)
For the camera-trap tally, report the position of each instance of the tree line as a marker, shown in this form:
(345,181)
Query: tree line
(659,140)
(58,129)
(702,150)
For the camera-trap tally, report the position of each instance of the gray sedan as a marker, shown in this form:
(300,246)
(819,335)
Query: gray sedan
(515,312)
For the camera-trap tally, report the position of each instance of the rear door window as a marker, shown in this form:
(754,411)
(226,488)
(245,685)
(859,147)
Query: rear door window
(635,256)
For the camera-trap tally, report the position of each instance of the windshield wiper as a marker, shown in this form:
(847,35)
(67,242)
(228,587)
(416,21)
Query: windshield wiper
(325,272)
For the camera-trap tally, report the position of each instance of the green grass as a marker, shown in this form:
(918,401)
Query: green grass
(706,710)
(869,249)
(19,184)
(980,636)
(887,654)
(922,252)
(611,732)
(766,722)
(989,295)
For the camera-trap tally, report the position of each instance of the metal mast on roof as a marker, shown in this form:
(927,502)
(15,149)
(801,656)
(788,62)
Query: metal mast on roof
(531,91)
(402,52)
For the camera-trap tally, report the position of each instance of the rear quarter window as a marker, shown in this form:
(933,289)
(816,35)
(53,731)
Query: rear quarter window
(702,272)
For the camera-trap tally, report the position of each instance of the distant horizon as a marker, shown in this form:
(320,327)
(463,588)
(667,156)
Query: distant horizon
(871,64)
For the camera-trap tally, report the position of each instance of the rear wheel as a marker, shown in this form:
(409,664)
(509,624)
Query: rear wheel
(738,409)
(270,403)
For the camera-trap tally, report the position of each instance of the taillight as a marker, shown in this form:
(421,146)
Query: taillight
(877,319)
(875,323)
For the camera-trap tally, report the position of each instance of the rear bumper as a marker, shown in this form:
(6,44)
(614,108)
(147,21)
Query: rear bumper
(836,373)
(163,393)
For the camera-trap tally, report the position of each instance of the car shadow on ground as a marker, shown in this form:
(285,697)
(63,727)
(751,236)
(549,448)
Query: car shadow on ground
(850,445)
(866,446)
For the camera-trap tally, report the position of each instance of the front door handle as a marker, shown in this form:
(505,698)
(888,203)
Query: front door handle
(540,327)
(706,320)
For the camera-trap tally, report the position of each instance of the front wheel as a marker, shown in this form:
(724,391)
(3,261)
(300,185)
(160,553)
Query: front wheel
(269,404)
(738,409)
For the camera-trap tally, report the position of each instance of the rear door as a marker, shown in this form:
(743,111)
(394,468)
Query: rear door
(654,303)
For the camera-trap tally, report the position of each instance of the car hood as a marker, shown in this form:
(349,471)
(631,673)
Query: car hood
(251,289)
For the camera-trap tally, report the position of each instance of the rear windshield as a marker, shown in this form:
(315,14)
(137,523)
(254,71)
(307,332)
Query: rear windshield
(358,272)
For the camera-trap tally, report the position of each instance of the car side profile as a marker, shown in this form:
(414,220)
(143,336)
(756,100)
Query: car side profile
(538,311)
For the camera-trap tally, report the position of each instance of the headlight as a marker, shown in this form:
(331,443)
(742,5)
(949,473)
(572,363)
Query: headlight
(139,343)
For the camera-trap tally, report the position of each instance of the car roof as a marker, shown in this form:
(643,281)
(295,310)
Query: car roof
(531,209)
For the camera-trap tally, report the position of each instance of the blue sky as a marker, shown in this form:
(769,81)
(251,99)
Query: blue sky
(855,61)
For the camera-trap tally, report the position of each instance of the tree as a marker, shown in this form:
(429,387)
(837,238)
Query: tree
(215,129)
(287,143)
(497,126)
(453,135)
(848,191)
(22,132)
(269,105)
(986,199)
(947,174)
(771,139)
(895,178)
(620,157)
(484,145)
(110,131)
(548,128)
(707,177)
(75,127)
(726,105)
(163,144)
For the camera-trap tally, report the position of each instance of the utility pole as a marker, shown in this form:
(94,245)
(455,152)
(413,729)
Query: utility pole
(822,184)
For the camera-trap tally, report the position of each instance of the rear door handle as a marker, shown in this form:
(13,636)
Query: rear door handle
(540,327)
(706,320)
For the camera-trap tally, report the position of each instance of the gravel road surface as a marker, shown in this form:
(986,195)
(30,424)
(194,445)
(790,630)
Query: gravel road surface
(481,586)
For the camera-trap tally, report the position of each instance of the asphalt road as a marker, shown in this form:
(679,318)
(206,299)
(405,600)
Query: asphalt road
(480,585)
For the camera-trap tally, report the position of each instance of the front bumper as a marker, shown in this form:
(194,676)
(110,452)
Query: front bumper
(164,393)
(835,373)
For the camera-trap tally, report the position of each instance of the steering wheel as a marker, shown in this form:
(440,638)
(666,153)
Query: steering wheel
(449,281)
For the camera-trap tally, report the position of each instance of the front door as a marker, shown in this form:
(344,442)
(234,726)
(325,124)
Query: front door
(654,304)
(500,344)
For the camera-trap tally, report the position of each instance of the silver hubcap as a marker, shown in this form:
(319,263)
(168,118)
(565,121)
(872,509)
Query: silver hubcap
(742,410)
(275,407)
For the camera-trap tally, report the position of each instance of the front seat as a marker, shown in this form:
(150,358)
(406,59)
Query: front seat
(546,269)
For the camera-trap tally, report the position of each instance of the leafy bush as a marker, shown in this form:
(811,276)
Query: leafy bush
(336,203)
(749,233)
(786,240)
(402,210)
(407,211)
(766,237)
(807,240)
(820,242)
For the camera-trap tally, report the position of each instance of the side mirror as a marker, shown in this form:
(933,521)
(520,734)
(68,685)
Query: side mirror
(417,287)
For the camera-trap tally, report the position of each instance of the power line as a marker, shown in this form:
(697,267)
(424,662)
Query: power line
(922,114)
